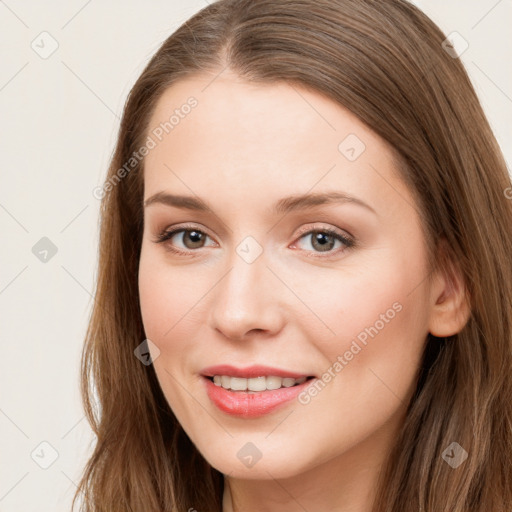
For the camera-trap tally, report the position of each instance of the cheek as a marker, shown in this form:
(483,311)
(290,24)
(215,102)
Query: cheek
(376,297)
(162,296)
(172,300)
(379,319)
(154,295)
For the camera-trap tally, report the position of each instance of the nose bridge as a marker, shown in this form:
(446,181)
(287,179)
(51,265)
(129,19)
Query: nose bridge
(246,298)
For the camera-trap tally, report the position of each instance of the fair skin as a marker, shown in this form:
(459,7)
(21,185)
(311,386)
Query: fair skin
(241,149)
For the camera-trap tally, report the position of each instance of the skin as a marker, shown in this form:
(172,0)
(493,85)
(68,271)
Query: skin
(242,148)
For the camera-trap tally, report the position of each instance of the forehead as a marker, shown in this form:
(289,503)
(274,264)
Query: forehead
(252,118)
(262,139)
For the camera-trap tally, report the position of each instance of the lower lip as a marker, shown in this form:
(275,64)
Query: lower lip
(251,405)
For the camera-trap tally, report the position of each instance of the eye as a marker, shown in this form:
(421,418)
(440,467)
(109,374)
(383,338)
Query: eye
(191,238)
(323,240)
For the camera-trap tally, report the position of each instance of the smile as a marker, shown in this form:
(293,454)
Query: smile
(249,403)
(255,384)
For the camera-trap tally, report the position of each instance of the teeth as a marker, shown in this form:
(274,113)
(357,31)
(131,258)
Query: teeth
(255,383)
(288,382)
(238,384)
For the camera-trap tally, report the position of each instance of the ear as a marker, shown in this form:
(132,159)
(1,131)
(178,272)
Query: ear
(449,299)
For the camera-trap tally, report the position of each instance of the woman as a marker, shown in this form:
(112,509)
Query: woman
(304,289)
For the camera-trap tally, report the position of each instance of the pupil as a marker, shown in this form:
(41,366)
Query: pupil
(194,238)
(323,240)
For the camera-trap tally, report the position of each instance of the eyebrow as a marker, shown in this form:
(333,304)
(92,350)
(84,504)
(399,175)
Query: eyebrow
(282,206)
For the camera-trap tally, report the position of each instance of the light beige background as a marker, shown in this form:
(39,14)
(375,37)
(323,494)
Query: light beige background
(59,119)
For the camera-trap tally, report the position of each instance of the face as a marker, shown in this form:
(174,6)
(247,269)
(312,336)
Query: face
(332,290)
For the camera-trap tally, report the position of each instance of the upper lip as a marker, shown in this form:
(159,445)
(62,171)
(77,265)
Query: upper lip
(249,371)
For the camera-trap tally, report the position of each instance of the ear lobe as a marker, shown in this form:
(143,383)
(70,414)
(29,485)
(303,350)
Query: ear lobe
(450,304)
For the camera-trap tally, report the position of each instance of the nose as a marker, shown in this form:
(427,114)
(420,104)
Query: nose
(247,301)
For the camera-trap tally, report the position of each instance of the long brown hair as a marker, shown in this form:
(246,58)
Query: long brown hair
(384,61)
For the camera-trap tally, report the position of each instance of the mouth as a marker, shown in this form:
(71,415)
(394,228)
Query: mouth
(253,385)
(250,403)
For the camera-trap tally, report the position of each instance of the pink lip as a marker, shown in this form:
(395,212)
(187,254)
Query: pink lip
(250,371)
(250,405)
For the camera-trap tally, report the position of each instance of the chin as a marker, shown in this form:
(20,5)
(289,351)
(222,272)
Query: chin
(273,465)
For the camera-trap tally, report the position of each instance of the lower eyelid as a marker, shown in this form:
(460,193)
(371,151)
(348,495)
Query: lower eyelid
(346,241)
(345,244)
(182,231)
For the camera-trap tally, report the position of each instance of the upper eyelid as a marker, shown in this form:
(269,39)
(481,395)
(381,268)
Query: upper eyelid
(178,229)
(302,232)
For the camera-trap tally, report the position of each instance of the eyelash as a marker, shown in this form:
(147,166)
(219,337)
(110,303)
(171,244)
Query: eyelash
(348,242)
